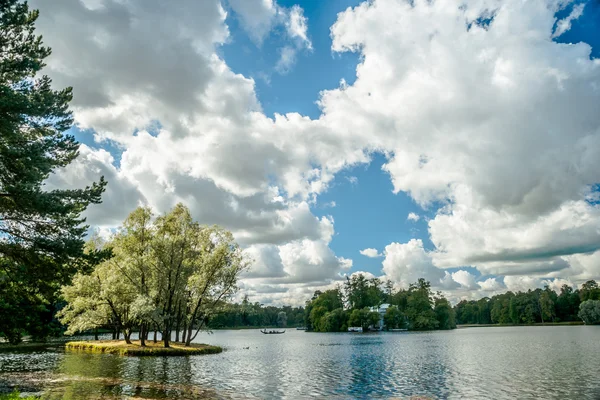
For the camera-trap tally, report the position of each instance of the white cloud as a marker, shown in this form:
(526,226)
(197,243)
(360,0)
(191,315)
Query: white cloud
(496,122)
(257,17)
(371,253)
(522,283)
(297,27)
(352,179)
(465,279)
(492,285)
(119,199)
(413,217)
(405,263)
(260,17)
(453,105)
(564,24)
(286,60)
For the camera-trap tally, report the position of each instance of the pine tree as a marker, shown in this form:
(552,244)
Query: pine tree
(41,231)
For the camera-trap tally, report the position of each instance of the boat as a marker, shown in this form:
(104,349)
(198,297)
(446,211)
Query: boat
(355,329)
(301,328)
(398,330)
(272,332)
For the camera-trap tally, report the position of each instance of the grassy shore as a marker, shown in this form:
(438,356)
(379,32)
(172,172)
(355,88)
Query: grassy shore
(504,325)
(135,349)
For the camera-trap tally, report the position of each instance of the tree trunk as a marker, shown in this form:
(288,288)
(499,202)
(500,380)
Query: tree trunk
(188,339)
(95,333)
(127,336)
(114,334)
(154,334)
(178,322)
(166,337)
(142,335)
(183,333)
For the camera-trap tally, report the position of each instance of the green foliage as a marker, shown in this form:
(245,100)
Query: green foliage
(42,230)
(15,396)
(444,314)
(364,318)
(321,304)
(333,321)
(533,306)
(589,312)
(362,292)
(281,319)
(394,319)
(167,273)
(415,308)
(419,307)
(589,291)
(246,315)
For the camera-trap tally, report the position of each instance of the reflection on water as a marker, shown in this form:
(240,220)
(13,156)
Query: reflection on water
(499,363)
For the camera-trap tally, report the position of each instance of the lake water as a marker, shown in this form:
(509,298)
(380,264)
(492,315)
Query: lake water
(561,362)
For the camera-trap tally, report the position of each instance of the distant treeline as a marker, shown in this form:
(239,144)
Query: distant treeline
(416,308)
(255,315)
(533,306)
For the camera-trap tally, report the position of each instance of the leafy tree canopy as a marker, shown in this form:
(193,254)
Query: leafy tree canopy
(41,231)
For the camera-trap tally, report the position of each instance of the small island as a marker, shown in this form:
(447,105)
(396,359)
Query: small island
(135,348)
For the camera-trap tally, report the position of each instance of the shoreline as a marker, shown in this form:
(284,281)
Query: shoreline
(119,347)
(571,323)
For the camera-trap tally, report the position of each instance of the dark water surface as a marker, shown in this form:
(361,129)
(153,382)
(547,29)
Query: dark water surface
(561,362)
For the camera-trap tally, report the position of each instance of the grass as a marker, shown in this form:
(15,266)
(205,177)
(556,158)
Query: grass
(134,349)
(15,396)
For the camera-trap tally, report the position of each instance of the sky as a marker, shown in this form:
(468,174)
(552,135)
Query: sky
(454,141)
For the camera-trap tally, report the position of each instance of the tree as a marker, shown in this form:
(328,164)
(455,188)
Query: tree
(589,291)
(164,272)
(419,309)
(364,318)
(444,313)
(394,319)
(42,231)
(589,312)
(567,304)
(547,311)
(132,257)
(282,319)
(333,321)
(320,305)
(362,292)
(216,265)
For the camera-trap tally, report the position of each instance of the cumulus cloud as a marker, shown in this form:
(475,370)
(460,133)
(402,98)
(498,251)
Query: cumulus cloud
(257,17)
(413,217)
(260,17)
(565,24)
(405,263)
(448,90)
(371,253)
(475,107)
(492,285)
(120,197)
(465,279)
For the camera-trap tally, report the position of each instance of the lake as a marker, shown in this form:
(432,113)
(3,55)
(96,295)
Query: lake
(555,362)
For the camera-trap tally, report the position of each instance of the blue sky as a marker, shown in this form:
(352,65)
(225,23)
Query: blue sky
(367,213)
(495,123)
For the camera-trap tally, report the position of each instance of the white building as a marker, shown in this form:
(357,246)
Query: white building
(382,309)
